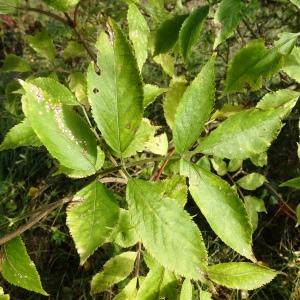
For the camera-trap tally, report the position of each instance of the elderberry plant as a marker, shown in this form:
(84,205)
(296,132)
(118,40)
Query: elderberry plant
(98,132)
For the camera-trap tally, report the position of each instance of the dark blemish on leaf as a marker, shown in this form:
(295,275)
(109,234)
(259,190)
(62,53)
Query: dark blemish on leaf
(95,91)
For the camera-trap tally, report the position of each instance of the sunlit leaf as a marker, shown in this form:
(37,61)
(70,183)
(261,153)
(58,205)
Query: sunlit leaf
(115,270)
(245,276)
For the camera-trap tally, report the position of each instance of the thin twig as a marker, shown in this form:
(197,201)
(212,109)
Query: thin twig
(46,13)
(34,219)
(281,200)
(113,180)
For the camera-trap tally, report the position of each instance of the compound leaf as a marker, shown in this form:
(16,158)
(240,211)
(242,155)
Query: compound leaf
(115,270)
(91,218)
(18,269)
(218,201)
(194,108)
(242,275)
(116,96)
(190,30)
(243,135)
(20,135)
(155,216)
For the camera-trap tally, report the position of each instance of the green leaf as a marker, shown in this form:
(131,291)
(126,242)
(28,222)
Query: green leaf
(14,63)
(169,286)
(219,165)
(18,269)
(298,215)
(150,287)
(283,99)
(253,206)
(251,181)
(204,295)
(175,188)
(151,92)
(167,34)
(139,33)
(129,292)
(172,99)
(91,218)
(217,202)
(234,165)
(293,183)
(125,234)
(296,2)
(194,108)
(62,5)
(167,63)
(255,62)
(144,134)
(55,90)
(204,163)
(115,270)
(2,295)
(227,17)
(243,135)
(116,96)
(20,135)
(42,44)
(260,159)
(158,144)
(155,216)
(77,84)
(83,173)
(190,30)
(8,7)
(186,290)
(291,65)
(73,50)
(64,133)
(245,276)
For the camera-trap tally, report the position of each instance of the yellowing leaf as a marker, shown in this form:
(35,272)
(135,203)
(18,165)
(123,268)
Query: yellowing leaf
(92,219)
(115,270)
(244,276)
(155,216)
(251,181)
